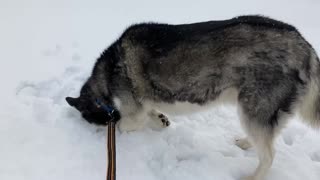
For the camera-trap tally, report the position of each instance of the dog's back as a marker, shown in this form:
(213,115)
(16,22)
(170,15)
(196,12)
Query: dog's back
(196,62)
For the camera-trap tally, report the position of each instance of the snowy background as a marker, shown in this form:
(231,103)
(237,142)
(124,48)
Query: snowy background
(47,49)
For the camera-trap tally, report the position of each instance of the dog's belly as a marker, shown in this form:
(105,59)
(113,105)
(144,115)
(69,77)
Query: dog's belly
(229,96)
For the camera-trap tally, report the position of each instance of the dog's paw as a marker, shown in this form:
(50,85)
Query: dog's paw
(164,119)
(160,117)
(243,143)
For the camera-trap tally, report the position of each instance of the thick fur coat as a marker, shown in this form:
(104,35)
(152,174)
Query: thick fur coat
(264,66)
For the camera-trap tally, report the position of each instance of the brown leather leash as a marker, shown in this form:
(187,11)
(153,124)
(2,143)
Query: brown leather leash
(111,138)
(111,166)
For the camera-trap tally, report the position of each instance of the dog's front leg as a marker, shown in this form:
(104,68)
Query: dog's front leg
(159,118)
(133,122)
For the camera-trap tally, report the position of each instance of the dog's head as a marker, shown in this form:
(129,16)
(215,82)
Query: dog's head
(90,109)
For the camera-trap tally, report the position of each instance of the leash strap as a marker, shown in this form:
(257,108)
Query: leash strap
(111,155)
(111,171)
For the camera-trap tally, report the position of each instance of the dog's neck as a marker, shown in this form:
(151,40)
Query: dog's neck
(102,74)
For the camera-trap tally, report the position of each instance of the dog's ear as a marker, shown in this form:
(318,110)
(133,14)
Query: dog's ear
(72,101)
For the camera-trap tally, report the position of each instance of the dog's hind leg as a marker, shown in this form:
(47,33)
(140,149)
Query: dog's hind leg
(265,104)
(261,138)
(261,123)
(263,144)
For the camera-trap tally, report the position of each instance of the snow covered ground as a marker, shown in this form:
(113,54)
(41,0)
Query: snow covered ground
(47,49)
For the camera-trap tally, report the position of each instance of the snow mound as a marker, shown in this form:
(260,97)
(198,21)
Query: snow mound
(47,139)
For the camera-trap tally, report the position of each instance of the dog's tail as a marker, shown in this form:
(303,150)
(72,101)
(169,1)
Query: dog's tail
(310,106)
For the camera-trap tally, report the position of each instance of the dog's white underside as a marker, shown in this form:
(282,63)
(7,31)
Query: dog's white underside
(151,109)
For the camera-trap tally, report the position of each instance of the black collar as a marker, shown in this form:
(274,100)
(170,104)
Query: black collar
(108,109)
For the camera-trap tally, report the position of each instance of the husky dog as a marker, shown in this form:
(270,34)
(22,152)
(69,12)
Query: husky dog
(263,65)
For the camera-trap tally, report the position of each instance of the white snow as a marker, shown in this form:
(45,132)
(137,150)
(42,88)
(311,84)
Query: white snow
(47,51)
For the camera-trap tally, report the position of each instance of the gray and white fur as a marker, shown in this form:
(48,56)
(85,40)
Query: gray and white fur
(263,66)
